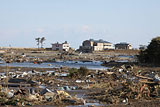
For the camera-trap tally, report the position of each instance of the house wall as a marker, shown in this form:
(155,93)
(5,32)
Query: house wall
(129,47)
(123,46)
(56,46)
(107,46)
(98,47)
(65,47)
(60,47)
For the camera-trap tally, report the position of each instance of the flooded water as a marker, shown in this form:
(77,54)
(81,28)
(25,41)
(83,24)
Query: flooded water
(125,56)
(71,64)
(88,102)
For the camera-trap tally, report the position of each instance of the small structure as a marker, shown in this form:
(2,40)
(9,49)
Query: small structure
(95,45)
(61,46)
(123,45)
(142,47)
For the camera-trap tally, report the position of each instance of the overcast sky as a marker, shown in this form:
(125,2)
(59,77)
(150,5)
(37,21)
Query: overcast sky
(132,21)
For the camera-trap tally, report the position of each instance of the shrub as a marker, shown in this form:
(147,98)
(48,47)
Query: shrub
(73,72)
(83,71)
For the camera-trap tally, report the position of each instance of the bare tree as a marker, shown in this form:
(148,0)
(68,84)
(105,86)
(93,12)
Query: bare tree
(38,41)
(42,41)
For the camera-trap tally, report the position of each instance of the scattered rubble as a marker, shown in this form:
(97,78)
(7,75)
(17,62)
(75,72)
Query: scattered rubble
(122,84)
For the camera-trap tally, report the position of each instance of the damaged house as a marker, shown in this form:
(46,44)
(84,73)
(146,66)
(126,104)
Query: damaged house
(95,45)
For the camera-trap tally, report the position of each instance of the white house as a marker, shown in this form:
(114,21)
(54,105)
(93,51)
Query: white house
(61,46)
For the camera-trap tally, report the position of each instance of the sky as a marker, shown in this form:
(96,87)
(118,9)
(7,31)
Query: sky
(132,21)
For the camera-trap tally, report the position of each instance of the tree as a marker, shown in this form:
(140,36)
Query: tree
(38,41)
(152,54)
(42,41)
